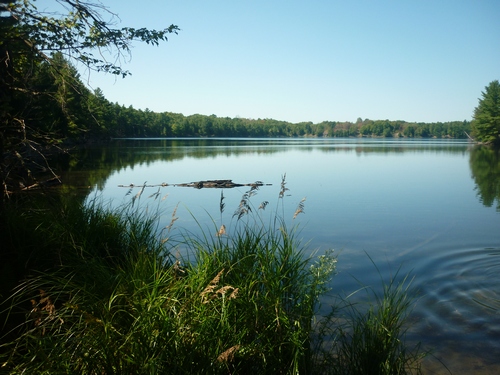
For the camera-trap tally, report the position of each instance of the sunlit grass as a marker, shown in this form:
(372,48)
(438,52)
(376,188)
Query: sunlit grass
(116,296)
(371,338)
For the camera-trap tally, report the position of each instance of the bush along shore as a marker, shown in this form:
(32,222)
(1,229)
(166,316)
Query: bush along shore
(106,291)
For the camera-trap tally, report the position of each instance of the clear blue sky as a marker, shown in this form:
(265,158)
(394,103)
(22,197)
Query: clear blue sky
(421,60)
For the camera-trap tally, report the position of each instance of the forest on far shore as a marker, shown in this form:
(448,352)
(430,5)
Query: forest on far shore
(120,121)
(75,112)
(116,120)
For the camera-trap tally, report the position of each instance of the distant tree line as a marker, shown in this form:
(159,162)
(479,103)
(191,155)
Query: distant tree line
(120,121)
(75,112)
(69,110)
(89,115)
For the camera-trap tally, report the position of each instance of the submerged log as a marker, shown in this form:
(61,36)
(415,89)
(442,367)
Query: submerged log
(213,184)
(219,184)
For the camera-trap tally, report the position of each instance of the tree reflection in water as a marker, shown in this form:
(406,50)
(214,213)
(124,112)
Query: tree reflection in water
(485,169)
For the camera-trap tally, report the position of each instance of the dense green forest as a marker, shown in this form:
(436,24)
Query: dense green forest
(92,115)
(75,112)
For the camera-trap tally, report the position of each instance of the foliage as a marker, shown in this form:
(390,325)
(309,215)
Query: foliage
(486,123)
(111,297)
(78,30)
(42,99)
(91,250)
(129,122)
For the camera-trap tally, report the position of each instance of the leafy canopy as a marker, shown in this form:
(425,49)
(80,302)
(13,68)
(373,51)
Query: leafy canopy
(78,30)
(42,100)
(486,123)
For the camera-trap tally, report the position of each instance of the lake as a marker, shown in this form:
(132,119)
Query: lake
(429,207)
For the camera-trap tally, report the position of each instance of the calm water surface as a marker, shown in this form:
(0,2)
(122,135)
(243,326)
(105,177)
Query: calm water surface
(426,206)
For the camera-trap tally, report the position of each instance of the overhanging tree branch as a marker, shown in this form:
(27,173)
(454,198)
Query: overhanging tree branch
(39,90)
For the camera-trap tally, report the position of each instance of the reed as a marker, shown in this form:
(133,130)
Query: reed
(114,299)
(80,309)
(369,338)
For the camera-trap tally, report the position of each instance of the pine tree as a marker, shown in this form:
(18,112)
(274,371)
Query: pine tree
(486,123)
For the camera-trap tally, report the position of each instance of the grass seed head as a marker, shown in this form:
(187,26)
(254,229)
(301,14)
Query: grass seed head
(228,355)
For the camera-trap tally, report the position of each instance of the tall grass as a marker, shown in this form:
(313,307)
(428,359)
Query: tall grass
(369,338)
(268,324)
(116,298)
(79,306)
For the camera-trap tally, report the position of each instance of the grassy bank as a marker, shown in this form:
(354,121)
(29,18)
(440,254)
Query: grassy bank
(104,291)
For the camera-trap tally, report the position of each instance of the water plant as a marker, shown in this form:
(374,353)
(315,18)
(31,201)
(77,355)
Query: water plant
(369,337)
(121,295)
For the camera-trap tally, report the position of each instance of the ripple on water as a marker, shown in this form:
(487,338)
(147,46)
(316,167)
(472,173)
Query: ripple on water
(458,313)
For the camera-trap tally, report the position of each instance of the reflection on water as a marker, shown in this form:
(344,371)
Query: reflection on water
(409,205)
(93,165)
(485,168)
